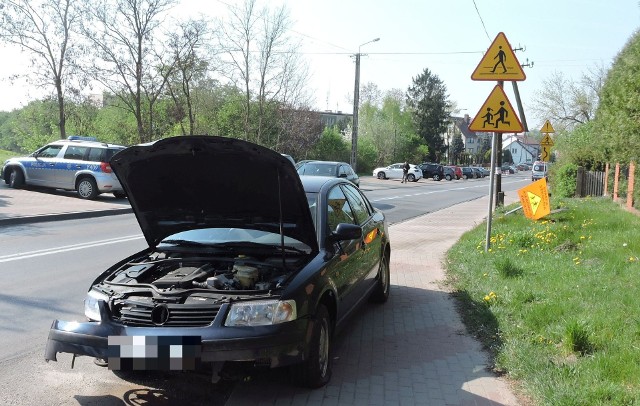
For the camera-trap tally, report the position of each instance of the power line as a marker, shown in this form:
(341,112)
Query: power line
(481,20)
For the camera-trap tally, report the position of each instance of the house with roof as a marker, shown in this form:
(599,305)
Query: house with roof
(521,150)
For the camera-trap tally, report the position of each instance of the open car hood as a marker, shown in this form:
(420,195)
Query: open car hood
(191,182)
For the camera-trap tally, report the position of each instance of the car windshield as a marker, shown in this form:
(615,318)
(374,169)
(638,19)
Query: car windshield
(230,237)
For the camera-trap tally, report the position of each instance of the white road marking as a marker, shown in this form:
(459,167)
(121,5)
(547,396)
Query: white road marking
(438,191)
(67,248)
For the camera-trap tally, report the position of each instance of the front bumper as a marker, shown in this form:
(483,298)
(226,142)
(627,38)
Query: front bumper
(278,345)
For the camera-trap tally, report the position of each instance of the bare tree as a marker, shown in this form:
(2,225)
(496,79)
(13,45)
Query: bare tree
(263,61)
(128,58)
(566,102)
(44,29)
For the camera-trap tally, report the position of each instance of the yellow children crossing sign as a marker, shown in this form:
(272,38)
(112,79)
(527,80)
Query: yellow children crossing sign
(496,115)
(499,63)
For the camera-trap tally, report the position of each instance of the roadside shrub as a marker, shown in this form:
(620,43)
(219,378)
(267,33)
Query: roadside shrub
(564,180)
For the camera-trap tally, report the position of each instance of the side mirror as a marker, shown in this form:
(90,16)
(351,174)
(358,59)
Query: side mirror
(346,231)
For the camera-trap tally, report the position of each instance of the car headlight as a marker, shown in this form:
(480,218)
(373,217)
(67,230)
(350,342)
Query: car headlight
(261,313)
(91,309)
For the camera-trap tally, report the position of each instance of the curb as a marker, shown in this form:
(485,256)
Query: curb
(11,221)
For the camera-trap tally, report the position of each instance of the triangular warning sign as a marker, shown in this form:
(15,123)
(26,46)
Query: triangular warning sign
(534,202)
(546,141)
(496,115)
(547,128)
(499,63)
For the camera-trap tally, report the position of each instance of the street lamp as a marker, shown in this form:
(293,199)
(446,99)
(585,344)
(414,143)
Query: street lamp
(356,102)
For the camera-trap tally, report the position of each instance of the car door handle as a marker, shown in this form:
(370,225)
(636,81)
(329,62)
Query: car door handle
(52,164)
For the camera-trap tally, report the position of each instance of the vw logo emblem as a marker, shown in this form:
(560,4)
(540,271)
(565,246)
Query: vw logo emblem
(160,315)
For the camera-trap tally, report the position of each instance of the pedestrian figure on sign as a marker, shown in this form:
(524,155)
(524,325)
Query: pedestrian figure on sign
(487,117)
(405,171)
(502,113)
(501,57)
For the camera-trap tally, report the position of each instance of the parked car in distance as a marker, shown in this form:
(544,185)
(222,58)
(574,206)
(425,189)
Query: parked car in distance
(394,171)
(508,169)
(329,168)
(468,173)
(539,170)
(523,167)
(449,173)
(457,171)
(259,267)
(479,173)
(77,163)
(432,170)
(484,171)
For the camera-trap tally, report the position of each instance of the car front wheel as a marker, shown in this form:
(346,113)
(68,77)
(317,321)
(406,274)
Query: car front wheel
(87,188)
(315,371)
(16,179)
(381,292)
(381,175)
(436,177)
(448,177)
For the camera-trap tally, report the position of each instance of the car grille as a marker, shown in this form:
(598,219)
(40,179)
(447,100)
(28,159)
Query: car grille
(170,315)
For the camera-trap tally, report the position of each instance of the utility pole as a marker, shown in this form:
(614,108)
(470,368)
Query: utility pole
(356,107)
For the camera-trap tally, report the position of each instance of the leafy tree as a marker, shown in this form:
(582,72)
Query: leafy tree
(428,102)
(332,146)
(618,116)
(457,148)
(44,29)
(35,125)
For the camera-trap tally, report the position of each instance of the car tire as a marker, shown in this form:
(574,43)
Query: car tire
(436,177)
(380,293)
(411,178)
(381,175)
(315,371)
(16,179)
(448,177)
(87,188)
(465,177)
(119,195)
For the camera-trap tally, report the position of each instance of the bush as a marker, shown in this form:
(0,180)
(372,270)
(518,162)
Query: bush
(564,180)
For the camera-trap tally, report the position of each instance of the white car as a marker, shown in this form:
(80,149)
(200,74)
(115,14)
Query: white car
(395,172)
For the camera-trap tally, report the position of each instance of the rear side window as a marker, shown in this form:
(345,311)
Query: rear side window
(97,155)
(75,152)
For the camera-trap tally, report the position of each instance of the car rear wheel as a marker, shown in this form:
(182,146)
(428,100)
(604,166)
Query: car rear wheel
(16,179)
(381,175)
(448,177)
(316,370)
(381,292)
(87,188)
(436,177)
(411,178)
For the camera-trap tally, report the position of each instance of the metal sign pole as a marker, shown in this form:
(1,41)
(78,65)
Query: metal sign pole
(491,181)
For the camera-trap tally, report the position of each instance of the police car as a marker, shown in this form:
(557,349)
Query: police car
(77,163)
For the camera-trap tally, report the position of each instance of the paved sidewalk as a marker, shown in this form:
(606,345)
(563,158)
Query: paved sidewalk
(413,350)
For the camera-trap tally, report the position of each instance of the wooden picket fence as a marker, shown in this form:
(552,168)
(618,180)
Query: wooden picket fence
(622,187)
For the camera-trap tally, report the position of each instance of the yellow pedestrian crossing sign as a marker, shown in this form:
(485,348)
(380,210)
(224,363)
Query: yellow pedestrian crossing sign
(496,115)
(547,128)
(546,141)
(499,63)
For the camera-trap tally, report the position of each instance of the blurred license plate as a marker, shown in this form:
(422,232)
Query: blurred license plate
(153,353)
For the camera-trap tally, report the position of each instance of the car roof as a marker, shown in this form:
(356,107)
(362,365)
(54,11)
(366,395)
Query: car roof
(313,184)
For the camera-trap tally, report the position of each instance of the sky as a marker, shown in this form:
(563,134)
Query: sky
(447,37)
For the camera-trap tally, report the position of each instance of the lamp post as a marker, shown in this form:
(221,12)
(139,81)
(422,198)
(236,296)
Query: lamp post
(356,102)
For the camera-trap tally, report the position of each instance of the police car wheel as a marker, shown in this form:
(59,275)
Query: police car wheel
(87,188)
(16,179)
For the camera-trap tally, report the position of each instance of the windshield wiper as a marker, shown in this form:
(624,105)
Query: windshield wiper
(184,243)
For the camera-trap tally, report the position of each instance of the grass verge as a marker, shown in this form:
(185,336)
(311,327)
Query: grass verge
(557,301)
